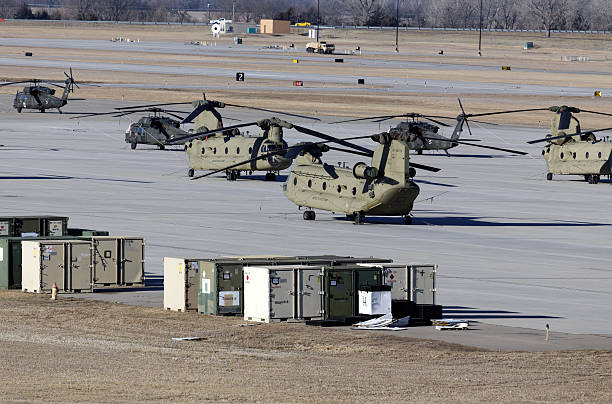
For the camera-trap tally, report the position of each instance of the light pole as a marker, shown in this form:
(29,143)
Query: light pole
(480,32)
(396,25)
(318,21)
(233,10)
(208,12)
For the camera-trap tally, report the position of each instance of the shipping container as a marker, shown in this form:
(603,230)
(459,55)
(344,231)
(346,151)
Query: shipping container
(118,261)
(45,226)
(277,293)
(341,290)
(414,282)
(66,263)
(181,278)
(221,279)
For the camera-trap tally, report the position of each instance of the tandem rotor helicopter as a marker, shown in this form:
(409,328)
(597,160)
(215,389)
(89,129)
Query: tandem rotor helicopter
(41,97)
(383,188)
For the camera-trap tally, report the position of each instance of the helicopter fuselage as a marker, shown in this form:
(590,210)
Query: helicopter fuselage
(40,98)
(587,158)
(313,184)
(216,152)
(421,136)
(153,130)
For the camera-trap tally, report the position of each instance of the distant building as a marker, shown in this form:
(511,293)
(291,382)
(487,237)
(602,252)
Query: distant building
(274,26)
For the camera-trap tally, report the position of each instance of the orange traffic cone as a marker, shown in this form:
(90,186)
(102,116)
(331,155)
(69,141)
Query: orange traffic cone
(54,291)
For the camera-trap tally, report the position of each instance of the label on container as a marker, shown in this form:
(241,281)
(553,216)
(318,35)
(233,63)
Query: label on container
(1,254)
(205,285)
(229,298)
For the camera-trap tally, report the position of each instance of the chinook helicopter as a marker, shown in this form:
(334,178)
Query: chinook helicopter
(384,188)
(570,151)
(42,97)
(422,135)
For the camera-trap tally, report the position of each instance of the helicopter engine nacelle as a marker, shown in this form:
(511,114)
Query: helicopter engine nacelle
(362,170)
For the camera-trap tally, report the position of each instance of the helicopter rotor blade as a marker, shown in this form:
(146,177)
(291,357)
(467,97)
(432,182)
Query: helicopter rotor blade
(331,138)
(153,105)
(350,151)
(595,112)
(482,146)
(197,111)
(184,139)
(546,139)
(436,121)
(263,156)
(425,167)
(382,117)
(464,116)
(272,111)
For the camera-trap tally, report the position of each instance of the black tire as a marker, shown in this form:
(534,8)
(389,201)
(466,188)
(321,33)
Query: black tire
(309,50)
(133,146)
(358,218)
(595,179)
(420,151)
(162,147)
(592,179)
(191,172)
(549,176)
(320,51)
(42,110)
(350,217)
(407,219)
(309,215)
(19,110)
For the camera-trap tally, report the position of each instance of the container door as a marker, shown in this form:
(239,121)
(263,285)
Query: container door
(132,263)
(309,298)
(106,268)
(397,277)
(191,287)
(229,288)
(52,258)
(282,294)
(56,228)
(80,266)
(14,264)
(339,297)
(30,226)
(423,284)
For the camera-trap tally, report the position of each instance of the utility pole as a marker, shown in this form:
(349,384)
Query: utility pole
(480,32)
(396,25)
(208,12)
(233,11)
(318,20)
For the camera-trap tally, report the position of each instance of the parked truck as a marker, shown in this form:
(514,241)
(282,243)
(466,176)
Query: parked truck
(320,47)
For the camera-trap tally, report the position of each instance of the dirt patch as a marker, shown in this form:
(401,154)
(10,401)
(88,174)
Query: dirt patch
(80,350)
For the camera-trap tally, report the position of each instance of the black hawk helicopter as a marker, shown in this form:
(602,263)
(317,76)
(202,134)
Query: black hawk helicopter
(420,135)
(41,97)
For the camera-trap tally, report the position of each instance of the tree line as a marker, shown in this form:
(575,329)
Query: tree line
(500,14)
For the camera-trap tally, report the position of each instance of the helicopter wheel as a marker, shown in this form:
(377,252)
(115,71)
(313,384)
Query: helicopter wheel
(42,110)
(420,151)
(191,172)
(407,219)
(230,175)
(310,215)
(350,217)
(549,176)
(270,177)
(19,110)
(358,218)
(162,147)
(133,146)
(593,179)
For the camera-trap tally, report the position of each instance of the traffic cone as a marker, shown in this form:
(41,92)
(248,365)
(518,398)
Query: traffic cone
(54,291)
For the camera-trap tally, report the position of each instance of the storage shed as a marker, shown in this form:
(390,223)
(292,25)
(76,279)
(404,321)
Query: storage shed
(274,26)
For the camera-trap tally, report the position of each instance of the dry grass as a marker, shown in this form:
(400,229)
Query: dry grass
(77,350)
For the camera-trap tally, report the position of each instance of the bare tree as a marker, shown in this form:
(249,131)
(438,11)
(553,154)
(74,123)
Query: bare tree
(550,13)
(362,10)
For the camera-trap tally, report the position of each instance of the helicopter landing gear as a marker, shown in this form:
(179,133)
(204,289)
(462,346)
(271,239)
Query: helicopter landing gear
(420,151)
(19,110)
(270,177)
(231,175)
(593,179)
(407,219)
(42,110)
(133,146)
(161,147)
(350,217)
(191,172)
(358,217)
(549,176)
(310,215)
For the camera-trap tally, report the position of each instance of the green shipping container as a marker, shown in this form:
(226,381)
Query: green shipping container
(10,263)
(341,290)
(47,226)
(221,283)
(251,30)
(86,232)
